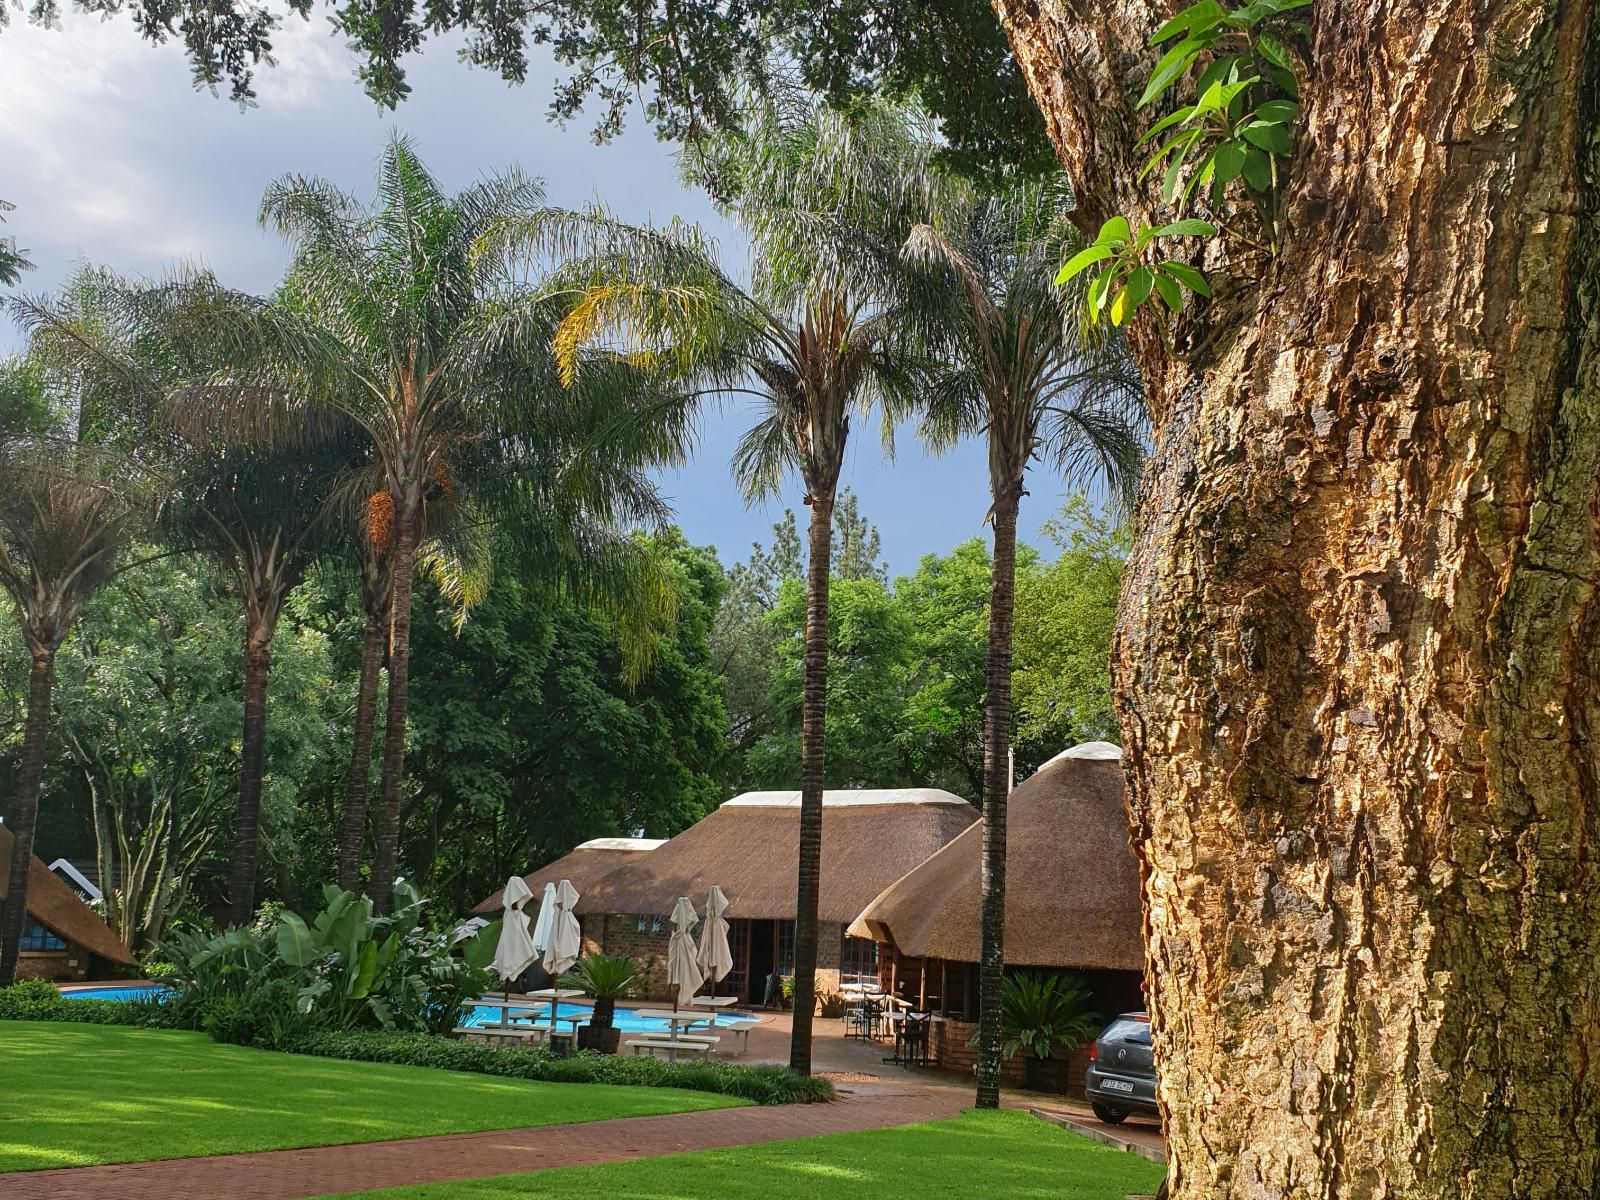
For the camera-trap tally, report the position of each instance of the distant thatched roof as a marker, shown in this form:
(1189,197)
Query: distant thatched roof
(586,865)
(56,906)
(750,846)
(1072,883)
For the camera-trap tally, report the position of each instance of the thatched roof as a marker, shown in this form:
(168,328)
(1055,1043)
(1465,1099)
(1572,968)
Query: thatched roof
(750,846)
(586,865)
(53,904)
(1072,883)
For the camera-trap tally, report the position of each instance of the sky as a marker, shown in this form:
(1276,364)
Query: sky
(112,157)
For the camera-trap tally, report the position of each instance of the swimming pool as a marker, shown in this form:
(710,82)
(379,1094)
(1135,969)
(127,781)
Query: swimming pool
(136,992)
(627,1020)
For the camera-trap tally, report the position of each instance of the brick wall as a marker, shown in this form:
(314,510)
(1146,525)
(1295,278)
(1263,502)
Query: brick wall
(619,934)
(58,966)
(830,949)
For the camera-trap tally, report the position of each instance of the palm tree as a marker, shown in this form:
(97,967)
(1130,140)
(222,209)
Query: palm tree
(256,510)
(67,507)
(393,319)
(377,595)
(1016,365)
(826,200)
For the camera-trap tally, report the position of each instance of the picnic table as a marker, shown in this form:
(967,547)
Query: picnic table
(681,1018)
(714,1003)
(556,996)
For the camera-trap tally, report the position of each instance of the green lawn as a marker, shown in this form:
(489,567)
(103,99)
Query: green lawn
(996,1154)
(71,1095)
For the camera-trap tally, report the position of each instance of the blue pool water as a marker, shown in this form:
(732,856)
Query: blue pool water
(115,993)
(627,1019)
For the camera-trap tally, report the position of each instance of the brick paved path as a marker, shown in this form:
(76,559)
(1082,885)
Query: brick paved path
(291,1174)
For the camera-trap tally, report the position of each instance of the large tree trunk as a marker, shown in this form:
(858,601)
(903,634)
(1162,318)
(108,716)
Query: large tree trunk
(375,603)
(25,808)
(996,788)
(394,733)
(813,716)
(1356,668)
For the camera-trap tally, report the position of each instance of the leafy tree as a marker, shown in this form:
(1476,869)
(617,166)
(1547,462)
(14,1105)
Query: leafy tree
(697,61)
(13,262)
(1066,620)
(855,542)
(946,607)
(68,505)
(825,199)
(869,654)
(529,735)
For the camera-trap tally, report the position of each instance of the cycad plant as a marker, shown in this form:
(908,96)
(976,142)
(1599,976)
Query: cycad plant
(392,319)
(1016,365)
(70,499)
(826,199)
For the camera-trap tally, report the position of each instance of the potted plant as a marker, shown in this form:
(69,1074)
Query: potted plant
(1045,1013)
(607,978)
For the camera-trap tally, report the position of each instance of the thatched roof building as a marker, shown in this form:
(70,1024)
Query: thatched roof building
(1072,883)
(585,866)
(54,904)
(751,843)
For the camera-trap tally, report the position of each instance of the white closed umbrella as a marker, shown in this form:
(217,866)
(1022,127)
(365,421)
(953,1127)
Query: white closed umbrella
(683,969)
(541,927)
(566,939)
(514,951)
(714,955)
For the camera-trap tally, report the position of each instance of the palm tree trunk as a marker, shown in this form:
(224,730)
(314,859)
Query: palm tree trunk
(25,809)
(394,733)
(376,605)
(996,789)
(252,757)
(814,709)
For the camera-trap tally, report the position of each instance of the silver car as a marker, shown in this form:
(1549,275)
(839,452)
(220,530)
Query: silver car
(1121,1078)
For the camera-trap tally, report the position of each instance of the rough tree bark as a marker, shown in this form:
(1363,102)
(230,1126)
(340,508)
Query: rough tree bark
(25,803)
(407,515)
(1356,666)
(996,790)
(376,599)
(813,712)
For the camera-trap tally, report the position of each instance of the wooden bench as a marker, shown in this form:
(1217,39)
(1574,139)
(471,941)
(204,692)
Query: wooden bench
(660,1047)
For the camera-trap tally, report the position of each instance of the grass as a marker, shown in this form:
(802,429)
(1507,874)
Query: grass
(75,1095)
(1008,1154)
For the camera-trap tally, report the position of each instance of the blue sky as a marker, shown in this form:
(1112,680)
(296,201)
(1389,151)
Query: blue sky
(113,158)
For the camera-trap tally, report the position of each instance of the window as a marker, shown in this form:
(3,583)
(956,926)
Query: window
(858,961)
(785,953)
(37,937)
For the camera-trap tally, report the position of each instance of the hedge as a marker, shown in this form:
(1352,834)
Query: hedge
(36,1000)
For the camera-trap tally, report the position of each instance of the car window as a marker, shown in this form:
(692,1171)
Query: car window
(1124,1029)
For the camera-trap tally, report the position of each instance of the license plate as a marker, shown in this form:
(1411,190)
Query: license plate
(1115,1085)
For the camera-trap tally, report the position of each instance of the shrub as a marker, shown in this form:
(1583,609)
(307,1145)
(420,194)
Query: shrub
(764,1084)
(267,1016)
(38,1000)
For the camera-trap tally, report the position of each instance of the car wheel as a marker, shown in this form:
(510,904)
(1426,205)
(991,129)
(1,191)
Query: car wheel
(1111,1116)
